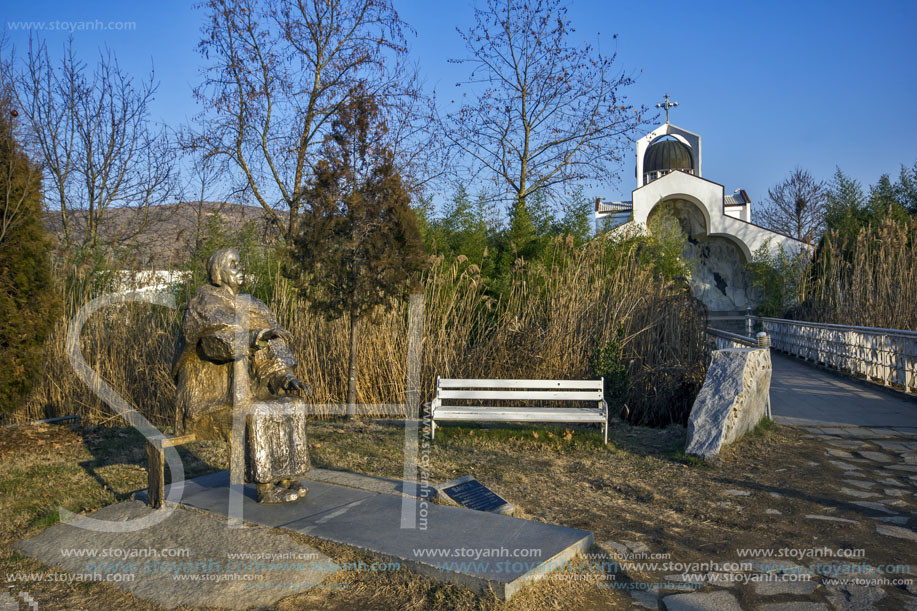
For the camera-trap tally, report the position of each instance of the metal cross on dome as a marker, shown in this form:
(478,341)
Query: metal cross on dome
(667,105)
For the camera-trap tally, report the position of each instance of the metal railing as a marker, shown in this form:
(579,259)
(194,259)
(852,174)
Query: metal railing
(724,339)
(888,356)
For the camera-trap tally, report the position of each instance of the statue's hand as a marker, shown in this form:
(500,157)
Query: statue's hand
(292,384)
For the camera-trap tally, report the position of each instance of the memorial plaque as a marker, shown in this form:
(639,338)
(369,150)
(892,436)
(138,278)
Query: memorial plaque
(469,492)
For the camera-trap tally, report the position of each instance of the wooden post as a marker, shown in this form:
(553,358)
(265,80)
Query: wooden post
(155,461)
(155,468)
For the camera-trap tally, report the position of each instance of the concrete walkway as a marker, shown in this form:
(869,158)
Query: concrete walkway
(803,394)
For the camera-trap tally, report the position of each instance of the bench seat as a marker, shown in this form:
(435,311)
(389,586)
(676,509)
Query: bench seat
(519,414)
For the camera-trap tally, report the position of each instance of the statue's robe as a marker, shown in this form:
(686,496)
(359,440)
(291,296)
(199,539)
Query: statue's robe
(215,341)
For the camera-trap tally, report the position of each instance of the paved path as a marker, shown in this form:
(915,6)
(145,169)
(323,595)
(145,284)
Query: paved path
(872,476)
(807,395)
(870,460)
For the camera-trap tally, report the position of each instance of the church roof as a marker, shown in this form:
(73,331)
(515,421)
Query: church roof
(612,207)
(739,198)
(665,155)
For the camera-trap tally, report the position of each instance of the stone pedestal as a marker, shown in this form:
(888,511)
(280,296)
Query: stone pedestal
(277,446)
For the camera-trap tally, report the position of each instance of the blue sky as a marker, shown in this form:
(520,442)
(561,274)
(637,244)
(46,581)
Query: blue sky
(768,85)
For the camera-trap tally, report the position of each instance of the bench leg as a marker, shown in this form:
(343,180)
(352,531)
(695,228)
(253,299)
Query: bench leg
(432,430)
(605,430)
(155,467)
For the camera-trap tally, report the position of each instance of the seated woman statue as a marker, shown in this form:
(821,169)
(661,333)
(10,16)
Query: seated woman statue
(232,354)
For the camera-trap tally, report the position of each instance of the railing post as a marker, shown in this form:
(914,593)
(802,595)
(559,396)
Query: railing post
(748,325)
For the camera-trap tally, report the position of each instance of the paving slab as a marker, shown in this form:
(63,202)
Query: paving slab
(775,587)
(189,559)
(897,531)
(830,518)
(849,432)
(894,502)
(892,446)
(779,567)
(884,433)
(645,600)
(372,522)
(637,547)
(874,506)
(852,597)
(795,606)
(723,580)
(875,456)
(900,520)
(860,494)
(850,444)
(685,578)
(702,601)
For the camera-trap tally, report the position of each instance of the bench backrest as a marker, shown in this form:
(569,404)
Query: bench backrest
(517,390)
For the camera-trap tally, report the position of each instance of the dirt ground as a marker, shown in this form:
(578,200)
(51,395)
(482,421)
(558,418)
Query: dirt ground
(639,489)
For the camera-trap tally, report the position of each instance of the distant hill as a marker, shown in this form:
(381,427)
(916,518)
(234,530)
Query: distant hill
(161,236)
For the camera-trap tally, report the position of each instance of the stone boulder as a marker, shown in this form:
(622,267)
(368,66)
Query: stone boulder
(734,398)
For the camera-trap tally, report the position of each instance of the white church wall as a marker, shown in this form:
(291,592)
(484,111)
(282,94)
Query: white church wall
(743,213)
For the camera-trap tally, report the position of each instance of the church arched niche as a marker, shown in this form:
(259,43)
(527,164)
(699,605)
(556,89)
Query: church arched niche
(718,274)
(689,215)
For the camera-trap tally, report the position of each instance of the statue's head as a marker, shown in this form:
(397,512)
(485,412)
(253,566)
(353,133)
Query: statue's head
(225,269)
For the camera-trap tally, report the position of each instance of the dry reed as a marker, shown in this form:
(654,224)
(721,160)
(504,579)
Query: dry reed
(547,324)
(873,283)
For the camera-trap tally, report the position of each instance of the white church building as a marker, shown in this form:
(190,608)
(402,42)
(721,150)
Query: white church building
(720,235)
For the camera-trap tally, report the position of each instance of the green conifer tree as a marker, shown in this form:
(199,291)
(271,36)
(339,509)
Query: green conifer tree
(28,300)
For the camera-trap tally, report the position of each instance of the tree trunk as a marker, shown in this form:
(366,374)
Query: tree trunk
(352,367)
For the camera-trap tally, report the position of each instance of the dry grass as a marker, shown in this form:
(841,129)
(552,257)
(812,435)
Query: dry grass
(637,488)
(45,467)
(546,324)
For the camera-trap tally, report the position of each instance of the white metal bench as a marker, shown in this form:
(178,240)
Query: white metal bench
(514,399)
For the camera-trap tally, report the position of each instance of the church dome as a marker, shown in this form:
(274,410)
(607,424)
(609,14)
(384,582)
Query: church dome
(664,156)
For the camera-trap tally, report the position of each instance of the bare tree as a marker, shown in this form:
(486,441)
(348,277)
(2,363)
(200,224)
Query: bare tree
(796,206)
(97,147)
(20,178)
(280,71)
(201,194)
(544,112)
